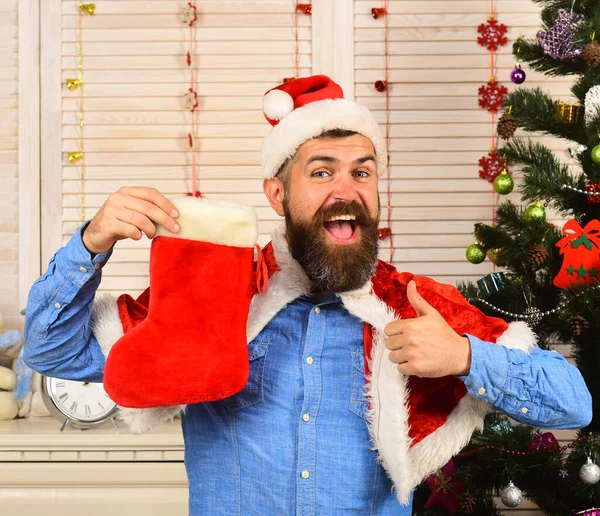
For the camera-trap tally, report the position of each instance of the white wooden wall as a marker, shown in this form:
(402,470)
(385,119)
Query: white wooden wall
(9,118)
(135,127)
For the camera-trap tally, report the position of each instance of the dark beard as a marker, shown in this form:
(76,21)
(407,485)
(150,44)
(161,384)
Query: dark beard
(331,267)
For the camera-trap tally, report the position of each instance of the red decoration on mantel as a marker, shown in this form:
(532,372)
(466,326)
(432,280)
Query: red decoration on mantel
(381,86)
(378,12)
(383,233)
(490,166)
(492,96)
(492,34)
(304,8)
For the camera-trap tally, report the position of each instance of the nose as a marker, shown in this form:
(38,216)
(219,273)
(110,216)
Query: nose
(344,188)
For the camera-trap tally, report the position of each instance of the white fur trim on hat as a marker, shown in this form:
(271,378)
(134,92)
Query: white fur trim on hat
(277,104)
(309,121)
(218,222)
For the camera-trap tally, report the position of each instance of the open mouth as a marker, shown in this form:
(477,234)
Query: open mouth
(342,229)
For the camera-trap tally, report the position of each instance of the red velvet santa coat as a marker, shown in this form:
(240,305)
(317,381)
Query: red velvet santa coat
(416,424)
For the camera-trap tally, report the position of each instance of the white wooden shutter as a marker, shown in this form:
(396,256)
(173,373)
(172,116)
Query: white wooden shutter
(135,125)
(9,213)
(438,130)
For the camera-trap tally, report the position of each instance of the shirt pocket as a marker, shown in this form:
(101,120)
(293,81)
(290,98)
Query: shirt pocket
(359,403)
(252,393)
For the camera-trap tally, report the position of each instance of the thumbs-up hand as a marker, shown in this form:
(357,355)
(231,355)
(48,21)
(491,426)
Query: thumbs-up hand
(427,346)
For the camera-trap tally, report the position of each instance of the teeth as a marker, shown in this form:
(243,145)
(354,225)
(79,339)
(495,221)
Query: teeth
(342,217)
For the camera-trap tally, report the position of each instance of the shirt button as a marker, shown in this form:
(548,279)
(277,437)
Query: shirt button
(317,310)
(305,474)
(82,269)
(524,410)
(309,360)
(56,305)
(481,391)
(96,266)
(306,417)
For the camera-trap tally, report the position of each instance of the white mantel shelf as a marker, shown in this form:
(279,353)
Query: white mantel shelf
(40,440)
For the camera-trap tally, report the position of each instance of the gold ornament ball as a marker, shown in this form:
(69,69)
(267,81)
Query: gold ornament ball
(495,256)
(475,253)
(535,213)
(504,184)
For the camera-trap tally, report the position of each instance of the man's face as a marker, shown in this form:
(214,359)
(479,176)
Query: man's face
(331,207)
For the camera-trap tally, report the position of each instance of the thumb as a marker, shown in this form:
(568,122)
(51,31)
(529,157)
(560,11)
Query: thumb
(421,306)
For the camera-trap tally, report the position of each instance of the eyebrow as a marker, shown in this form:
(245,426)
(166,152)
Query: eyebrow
(330,159)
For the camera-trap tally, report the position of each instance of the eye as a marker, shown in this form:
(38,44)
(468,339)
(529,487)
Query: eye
(362,173)
(320,173)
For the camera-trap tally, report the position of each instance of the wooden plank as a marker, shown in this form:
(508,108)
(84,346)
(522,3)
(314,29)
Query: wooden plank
(206,8)
(177,48)
(214,34)
(173,21)
(449,7)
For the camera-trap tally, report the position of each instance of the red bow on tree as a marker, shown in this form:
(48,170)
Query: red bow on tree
(581,250)
(544,442)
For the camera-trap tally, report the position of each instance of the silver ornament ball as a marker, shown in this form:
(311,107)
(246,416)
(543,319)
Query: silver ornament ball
(511,495)
(589,472)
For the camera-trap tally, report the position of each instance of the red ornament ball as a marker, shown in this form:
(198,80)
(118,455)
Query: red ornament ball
(383,233)
(381,86)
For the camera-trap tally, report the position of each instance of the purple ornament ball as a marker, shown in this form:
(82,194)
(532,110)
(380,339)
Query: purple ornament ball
(518,75)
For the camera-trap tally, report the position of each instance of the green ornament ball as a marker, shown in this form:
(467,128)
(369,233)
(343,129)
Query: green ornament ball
(535,213)
(596,154)
(475,253)
(504,184)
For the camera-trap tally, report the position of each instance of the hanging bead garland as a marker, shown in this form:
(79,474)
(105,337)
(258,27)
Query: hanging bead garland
(382,86)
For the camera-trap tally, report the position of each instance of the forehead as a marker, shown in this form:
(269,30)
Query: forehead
(343,149)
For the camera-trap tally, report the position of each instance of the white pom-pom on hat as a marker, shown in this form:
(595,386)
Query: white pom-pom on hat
(277,104)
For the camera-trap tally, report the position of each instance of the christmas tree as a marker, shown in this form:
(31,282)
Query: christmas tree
(549,277)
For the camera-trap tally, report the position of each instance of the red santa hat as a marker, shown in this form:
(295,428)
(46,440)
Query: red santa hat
(304,108)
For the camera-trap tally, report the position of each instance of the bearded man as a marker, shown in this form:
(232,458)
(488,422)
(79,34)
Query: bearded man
(363,380)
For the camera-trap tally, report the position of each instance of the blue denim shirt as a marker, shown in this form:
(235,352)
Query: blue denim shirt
(295,440)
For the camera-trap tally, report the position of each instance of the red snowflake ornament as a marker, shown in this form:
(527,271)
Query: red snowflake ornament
(190,100)
(492,34)
(490,166)
(492,96)
(189,14)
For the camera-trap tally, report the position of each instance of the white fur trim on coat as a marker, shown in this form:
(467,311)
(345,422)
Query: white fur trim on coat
(387,391)
(107,328)
(218,222)
(307,122)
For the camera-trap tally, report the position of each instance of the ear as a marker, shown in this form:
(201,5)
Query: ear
(274,191)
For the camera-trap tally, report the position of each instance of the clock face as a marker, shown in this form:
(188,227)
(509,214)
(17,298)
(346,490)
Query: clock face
(84,401)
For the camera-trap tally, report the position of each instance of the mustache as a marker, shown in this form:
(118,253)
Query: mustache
(363,217)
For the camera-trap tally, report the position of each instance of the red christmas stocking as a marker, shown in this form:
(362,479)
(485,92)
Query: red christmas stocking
(192,345)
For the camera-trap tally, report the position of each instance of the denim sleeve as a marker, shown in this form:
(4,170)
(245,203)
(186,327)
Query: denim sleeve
(58,339)
(540,388)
